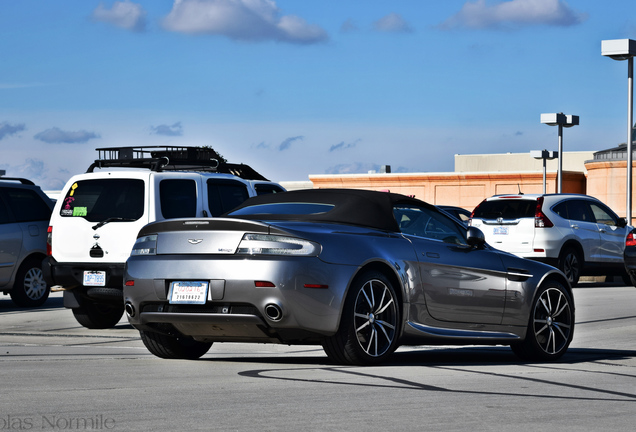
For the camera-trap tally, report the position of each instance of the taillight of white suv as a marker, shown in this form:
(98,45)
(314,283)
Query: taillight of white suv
(49,241)
(540,219)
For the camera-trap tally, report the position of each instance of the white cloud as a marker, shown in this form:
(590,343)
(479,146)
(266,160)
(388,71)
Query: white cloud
(392,23)
(124,14)
(57,136)
(7,129)
(245,20)
(513,14)
(288,142)
(168,130)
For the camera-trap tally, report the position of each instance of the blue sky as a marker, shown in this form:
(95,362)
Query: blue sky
(300,87)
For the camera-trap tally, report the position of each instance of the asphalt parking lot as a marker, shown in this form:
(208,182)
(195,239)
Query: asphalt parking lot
(57,375)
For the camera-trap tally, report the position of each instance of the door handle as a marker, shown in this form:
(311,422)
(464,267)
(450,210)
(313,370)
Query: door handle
(430,254)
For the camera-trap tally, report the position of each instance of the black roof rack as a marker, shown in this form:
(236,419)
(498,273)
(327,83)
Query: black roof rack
(18,179)
(171,158)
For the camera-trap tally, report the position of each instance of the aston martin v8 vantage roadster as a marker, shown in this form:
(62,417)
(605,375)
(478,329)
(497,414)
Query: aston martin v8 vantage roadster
(358,272)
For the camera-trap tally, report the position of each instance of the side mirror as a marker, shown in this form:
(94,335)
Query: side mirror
(622,222)
(475,237)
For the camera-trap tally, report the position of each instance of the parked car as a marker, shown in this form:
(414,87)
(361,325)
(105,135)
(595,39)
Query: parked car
(460,213)
(629,256)
(576,233)
(358,272)
(24,217)
(96,220)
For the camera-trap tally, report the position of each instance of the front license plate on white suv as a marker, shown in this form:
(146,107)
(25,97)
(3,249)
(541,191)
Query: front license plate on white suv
(188,292)
(94,278)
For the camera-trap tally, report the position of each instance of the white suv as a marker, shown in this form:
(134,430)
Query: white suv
(576,233)
(96,220)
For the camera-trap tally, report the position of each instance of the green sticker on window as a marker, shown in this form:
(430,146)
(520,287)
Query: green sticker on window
(80,211)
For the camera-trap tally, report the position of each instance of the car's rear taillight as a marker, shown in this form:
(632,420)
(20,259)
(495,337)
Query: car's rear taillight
(540,219)
(49,241)
(630,241)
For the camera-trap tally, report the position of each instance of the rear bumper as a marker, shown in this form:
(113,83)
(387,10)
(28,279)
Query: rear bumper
(236,309)
(71,275)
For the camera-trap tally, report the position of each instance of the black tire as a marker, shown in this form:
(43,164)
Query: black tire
(550,326)
(29,288)
(95,315)
(571,264)
(174,347)
(370,322)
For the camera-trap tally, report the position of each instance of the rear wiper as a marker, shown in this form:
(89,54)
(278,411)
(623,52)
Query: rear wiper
(112,219)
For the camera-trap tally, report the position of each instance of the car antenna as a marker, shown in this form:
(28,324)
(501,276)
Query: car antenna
(519,187)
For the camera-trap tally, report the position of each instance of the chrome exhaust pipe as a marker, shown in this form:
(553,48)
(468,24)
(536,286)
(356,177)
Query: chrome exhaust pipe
(130,309)
(274,312)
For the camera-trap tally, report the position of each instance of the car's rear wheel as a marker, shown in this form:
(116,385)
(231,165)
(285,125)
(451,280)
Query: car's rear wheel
(369,327)
(174,347)
(29,288)
(571,264)
(551,325)
(96,315)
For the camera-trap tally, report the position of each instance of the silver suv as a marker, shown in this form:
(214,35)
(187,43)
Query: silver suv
(96,220)
(24,217)
(576,233)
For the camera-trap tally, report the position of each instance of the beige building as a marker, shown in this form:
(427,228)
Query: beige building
(600,174)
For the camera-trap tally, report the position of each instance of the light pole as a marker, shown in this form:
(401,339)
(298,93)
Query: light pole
(561,120)
(625,49)
(544,154)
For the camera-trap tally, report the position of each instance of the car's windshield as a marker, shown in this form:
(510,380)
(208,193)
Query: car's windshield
(506,208)
(101,199)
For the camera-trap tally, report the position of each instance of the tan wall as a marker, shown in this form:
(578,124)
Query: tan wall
(607,181)
(465,190)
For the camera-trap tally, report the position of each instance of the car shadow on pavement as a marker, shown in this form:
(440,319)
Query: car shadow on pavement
(7,305)
(435,356)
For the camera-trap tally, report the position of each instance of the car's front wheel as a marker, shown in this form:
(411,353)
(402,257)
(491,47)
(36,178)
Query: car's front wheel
(369,327)
(96,315)
(551,324)
(174,347)
(30,289)
(571,264)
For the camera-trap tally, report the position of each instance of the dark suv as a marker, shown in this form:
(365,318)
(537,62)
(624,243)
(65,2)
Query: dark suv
(24,218)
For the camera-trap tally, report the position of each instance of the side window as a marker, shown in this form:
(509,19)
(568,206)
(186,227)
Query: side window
(428,223)
(27,205)
(178,198)
(578,210)
(5,217)
(224,195)
(561,209)
(267,188)
(603,215)
(101,199)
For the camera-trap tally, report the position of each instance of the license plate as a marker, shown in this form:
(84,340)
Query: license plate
(94,278)
(188,292)
(500,231)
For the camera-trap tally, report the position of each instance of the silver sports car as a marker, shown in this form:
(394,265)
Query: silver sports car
(358,272)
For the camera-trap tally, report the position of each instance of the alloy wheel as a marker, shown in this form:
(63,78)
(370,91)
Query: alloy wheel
(552,321)
(375,318)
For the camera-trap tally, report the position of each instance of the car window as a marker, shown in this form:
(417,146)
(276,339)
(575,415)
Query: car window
(100,199)
(575,209)
(224,195)
(506,208)
(26,205)
(428,223)
(266,188)
(178,198)
(5,217)
(603,215)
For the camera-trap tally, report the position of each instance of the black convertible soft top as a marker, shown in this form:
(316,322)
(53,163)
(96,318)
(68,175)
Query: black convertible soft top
(350,206)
